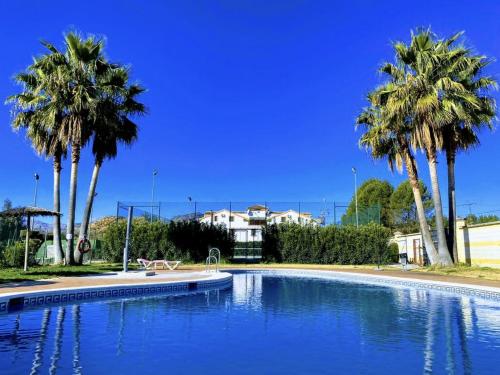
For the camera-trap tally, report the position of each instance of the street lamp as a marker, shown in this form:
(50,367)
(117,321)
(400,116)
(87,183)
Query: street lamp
(356,195)
(37,177)
(155,172)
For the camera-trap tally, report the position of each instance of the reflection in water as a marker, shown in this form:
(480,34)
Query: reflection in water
(76,345)
(340,327)
(429,337)
(37,361)
(57,340)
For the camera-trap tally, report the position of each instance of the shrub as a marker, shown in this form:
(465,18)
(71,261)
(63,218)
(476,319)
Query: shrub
(187,241)
(293,243)
(14,254)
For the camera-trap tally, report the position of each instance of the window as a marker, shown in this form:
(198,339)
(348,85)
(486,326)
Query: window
(231,218)
(253,232)
(283,219)
(215,218)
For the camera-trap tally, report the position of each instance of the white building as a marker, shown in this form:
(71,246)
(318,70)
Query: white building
(247,225)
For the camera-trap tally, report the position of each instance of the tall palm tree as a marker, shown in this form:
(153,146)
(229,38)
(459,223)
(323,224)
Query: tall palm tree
(387,138)
(431,95)
(112,127)
(38,109)
(461,132)
(85,61)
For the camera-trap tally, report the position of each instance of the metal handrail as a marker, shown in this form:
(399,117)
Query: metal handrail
(208,263)
(216,253)
(213,254)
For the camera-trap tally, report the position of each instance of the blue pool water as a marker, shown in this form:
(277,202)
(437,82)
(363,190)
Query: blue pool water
(264,324)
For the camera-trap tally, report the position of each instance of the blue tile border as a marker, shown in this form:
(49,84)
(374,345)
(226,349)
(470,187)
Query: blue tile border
(107,292)
(457,289)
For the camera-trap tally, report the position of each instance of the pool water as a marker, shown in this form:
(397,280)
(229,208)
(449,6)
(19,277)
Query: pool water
(264,324)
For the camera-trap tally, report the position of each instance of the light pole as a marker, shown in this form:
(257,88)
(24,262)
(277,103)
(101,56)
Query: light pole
(155,172)
(356,195)
(37,177)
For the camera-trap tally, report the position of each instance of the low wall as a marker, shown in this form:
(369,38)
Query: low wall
(477,245)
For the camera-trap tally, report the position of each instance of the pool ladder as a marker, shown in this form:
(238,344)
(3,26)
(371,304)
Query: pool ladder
(213,259)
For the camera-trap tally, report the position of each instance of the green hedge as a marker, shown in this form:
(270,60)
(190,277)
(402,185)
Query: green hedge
(293,243)
(182,240)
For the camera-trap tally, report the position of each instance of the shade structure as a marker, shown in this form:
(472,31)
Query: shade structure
(28,212)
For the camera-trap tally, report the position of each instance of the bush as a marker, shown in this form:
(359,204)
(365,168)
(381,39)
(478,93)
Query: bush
(14,254)
(293,243)
(182,240)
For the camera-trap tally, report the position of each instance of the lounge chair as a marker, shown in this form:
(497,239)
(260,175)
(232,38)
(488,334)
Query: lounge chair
(153,264)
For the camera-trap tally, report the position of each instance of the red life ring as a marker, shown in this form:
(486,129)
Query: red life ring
(84,246)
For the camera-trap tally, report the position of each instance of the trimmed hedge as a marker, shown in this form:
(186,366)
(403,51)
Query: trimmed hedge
(293,243)
(188,241)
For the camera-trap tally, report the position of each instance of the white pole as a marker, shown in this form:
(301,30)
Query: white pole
(356,196)
(37,177)
(127,239)
(155,172)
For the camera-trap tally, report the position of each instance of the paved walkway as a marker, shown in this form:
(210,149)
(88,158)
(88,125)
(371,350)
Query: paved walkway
(191,272)
(115,278)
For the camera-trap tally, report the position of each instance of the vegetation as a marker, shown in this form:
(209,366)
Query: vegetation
(184,240)
(435,90)
(69,97)
(374,193)
(47,272)
(293,243)
(403,207)
(481,219)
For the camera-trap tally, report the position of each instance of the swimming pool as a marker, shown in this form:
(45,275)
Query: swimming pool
(267,323)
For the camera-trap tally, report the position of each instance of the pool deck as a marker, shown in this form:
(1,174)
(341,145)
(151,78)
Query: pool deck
(190,273)
(101,280)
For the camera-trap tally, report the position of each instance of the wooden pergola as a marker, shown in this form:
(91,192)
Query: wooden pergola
(28,212)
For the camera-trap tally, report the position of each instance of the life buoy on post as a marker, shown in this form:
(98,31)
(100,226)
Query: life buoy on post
(84,246)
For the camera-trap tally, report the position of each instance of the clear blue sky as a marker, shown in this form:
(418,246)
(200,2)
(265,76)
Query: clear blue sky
(248,100)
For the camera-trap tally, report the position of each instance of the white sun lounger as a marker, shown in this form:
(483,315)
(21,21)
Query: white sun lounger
(153,264)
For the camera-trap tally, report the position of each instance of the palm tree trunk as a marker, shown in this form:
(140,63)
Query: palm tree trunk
(452,205)
(444,254)
(84,228)
(70,231)
(56,230)
(411,168)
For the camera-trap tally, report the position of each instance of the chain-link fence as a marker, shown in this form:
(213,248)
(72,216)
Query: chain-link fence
(314,213)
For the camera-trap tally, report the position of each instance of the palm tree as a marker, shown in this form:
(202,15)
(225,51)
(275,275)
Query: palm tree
(432,95)
(461,132)
(84,62)
(38,109)
(112,126)
(387,138)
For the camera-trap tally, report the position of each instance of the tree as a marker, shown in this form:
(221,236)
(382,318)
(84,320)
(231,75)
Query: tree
(39,109)
(387,136)
(473,219)
(373,193)
(403,207)
(116,103)
(461,132)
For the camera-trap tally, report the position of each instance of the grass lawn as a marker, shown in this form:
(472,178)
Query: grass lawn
(8,275)
(474,272)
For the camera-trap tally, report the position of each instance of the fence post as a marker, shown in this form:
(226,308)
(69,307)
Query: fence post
(127,239)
